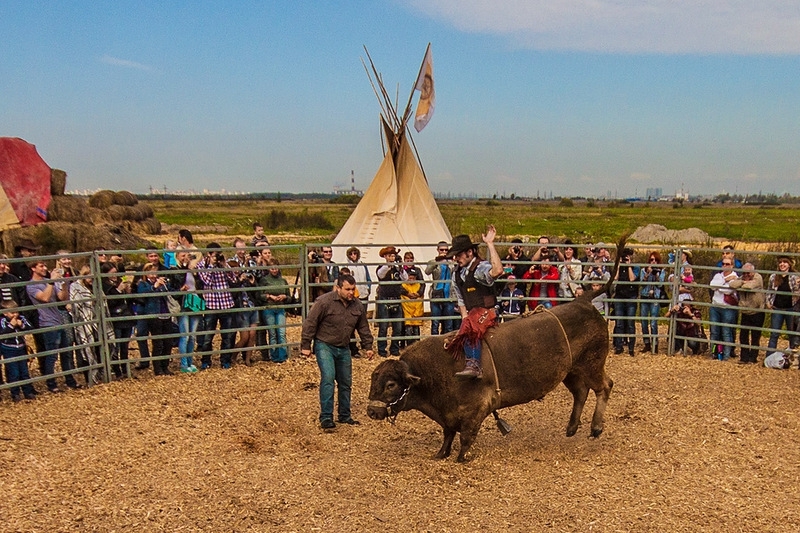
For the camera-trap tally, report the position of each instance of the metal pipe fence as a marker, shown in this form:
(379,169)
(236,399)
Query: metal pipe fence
(98,354)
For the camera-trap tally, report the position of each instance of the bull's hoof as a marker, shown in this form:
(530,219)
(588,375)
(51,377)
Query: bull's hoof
(439,456)
(571,431)
(597,432)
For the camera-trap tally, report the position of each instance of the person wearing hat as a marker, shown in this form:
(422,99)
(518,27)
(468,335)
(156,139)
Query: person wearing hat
(784,291)
(752,301)
(473,281)
(388,309)
(24,249)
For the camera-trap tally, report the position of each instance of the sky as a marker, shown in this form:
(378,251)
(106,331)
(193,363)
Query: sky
(570,98)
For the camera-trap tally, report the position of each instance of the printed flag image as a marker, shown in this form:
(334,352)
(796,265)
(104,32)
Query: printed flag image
(427,99)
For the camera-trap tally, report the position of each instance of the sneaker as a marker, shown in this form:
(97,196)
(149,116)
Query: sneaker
(192,369)
(351,421)
(327,424)
(225,366)
(30,396)
(187,370)
(205,366)
(16,398)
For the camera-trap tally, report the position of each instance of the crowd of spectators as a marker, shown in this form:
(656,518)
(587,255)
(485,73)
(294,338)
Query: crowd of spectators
(179,299)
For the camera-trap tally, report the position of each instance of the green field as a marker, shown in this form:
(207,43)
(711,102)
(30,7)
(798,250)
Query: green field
(320,220)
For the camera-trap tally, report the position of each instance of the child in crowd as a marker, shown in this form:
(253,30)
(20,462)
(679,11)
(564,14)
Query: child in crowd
(512,299)
(685,292)
(169,255)
(15,324)
(596,279)
(413,308)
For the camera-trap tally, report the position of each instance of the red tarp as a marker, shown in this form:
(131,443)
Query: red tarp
(25,179)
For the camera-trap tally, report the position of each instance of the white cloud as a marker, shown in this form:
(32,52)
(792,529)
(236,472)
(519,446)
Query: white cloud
(629,26)
(110,60)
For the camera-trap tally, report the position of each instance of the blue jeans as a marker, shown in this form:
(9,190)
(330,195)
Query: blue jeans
(57,340)
(624,325)
(390,311)
(723,332)
(275,319)
(650,311)
(187,326)
(335,363)
(17,370)
(225,321)
(440,327)
(777,320)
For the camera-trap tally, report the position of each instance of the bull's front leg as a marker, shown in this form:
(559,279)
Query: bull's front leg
(447,444)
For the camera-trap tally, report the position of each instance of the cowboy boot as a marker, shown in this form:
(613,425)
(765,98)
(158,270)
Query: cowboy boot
(471,371)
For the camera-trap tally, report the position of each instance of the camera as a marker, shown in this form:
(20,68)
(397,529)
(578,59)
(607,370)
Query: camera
(516,249)
(219,258)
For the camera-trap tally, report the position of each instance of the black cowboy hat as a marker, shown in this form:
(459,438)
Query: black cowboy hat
(26,244)
(461,243)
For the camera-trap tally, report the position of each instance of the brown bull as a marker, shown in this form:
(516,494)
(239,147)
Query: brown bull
(525,359)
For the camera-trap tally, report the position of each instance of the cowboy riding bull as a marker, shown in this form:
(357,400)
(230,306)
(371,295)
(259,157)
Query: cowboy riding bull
(520,360)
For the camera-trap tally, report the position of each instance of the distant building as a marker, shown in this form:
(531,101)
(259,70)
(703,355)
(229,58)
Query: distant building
(654,192)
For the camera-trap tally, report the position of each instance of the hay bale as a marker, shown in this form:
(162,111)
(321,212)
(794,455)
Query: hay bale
(119,212)
(125,198)
(54,236)
(102,199)
(67,209)
(108,236)
(96,216)
(140,212)
(58,182)
(148,226)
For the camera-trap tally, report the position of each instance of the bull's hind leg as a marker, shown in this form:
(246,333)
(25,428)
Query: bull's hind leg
(602,391)
(444,451)
(580,391)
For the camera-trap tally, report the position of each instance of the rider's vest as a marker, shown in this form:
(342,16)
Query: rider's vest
(475,294)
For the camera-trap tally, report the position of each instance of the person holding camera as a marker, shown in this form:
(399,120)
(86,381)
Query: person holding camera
(546,280)
(153,287)
(514,263)
(388,308)
(247,318)
(650,296)
(217,278)
(324,272)
(625,293)
(440,270)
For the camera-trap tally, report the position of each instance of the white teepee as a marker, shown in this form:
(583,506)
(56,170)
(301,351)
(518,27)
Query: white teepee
(397,209)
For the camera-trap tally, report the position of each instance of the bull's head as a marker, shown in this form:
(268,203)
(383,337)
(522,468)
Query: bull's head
(391,382)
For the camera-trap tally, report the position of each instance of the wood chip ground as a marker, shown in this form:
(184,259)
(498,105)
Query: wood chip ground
(690,444)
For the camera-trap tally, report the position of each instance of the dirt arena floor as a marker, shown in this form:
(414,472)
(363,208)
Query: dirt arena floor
(690,444)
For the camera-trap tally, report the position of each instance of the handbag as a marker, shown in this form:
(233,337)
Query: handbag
(731,298)
(173,305)
(194,303)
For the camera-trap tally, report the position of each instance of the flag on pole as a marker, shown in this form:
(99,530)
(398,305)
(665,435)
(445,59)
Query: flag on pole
(427,99)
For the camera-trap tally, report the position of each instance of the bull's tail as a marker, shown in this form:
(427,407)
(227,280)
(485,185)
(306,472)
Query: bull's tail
(607,288)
